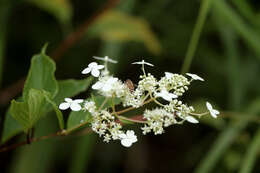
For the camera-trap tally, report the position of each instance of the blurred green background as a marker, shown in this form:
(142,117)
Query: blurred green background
(219,38)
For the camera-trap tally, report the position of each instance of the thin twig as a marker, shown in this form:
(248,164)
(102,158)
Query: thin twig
(11,91)
(13,146)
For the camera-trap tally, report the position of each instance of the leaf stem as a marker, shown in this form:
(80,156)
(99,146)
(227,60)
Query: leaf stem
(131,108)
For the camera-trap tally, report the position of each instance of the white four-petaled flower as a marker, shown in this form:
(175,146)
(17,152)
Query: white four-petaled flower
(166,95)
(72,104)
(106,59)
(143,62)
(93,68)
(105,85)
(213,112)
(128,139)
(194,76)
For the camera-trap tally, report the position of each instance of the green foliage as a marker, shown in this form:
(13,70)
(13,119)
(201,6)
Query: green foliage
(41,75)
(250,36)
(99,100)
(71,87)
(226,138)
(42,93)
(252,154)
(11,127)
(118,26)
(77,118)
(27,113)
(61,9)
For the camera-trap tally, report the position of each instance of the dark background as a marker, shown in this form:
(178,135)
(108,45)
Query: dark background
(227,57)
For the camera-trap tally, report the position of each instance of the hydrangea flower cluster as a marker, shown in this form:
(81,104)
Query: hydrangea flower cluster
(165,92)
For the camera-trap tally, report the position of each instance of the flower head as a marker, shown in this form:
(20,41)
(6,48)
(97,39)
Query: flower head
(166,95)
(128,139)
(106,59)
(72,104)
(93,68)
(213,112)
(105,85)
(194,76)
(143,62)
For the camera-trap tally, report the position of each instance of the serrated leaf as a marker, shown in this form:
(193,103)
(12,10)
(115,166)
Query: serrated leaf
(61,9)
(77,118)
(41,75)
(28,112)
(71,87)
(118,26)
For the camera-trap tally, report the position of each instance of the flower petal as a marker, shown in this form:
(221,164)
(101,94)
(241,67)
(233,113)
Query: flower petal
(168,75)
(64,106)
(78,101)
(100,67)
(209,106)
(126,142)
(95,72)
(107,87)
(194,76)
(97,85)
(122,136)
(92,65)
(68,100)
(86,70)
(191,119)
(75,107)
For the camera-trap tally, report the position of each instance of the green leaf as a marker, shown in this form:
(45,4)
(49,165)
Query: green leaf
(11,127)
(27,113)
(71,87)
(41,75)
(61,9)
(118,26)
(77,118)
(56,109)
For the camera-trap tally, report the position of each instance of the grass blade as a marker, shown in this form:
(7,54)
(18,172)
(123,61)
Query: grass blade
(251,155)
(204,8)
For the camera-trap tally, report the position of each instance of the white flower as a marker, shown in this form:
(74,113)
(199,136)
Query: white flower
(93,68)
(194,76)
(106,59)
(168,75)
(90,106)
(105,85)
(213,112)
(143,62)
(191,119)
(72,104)
(166,95)
(128,139)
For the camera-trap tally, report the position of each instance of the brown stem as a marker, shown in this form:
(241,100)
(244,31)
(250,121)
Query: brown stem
(13,146)
(11,91)
(59,133)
